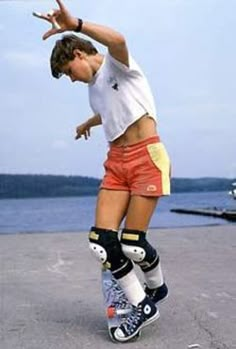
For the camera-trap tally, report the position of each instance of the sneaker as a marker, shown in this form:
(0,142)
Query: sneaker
(142,315)
(157,295)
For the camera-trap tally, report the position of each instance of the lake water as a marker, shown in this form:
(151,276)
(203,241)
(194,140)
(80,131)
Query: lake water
(77,213)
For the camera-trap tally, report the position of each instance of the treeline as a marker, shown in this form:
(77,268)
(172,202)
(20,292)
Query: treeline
(181,185)
(29,186)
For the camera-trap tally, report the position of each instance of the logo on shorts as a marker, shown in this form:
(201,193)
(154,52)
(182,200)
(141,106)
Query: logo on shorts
(151,187)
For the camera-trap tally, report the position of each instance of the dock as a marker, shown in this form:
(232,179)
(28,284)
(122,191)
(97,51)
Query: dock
(230,215)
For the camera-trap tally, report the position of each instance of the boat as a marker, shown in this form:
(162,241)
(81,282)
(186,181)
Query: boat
(232,192)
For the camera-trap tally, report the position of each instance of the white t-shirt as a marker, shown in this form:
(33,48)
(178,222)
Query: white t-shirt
(121,95)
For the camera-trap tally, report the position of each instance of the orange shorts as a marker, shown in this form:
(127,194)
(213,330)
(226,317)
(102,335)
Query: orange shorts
(142,168)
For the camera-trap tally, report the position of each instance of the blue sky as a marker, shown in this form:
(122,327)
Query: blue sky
(187,50)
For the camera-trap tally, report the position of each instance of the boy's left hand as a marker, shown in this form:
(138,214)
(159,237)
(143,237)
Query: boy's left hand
(61,20)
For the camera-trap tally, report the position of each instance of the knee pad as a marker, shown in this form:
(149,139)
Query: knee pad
(138,249)
(106,247)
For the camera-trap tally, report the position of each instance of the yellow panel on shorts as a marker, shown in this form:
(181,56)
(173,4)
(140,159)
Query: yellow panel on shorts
(160,158)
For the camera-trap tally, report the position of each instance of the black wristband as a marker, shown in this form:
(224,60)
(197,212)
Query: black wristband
(79,26)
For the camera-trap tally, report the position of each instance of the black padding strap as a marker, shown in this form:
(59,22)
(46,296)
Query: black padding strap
(117,262)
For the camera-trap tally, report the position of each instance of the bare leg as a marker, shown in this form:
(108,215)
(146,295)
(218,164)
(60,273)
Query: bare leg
(139,212)
(111,208)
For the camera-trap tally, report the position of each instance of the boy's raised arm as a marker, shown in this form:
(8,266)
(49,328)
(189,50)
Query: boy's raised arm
(62,21)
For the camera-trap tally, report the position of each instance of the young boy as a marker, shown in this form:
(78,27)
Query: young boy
(137,166)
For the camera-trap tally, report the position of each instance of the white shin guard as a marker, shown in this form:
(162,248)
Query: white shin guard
(132,288)
(154,278)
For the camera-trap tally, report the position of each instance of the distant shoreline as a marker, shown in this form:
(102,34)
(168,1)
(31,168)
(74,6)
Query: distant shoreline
(18,186)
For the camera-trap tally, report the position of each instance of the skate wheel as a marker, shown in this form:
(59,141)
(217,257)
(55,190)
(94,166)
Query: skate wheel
(111,311)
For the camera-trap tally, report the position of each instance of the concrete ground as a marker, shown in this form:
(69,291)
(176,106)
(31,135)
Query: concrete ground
(50,292)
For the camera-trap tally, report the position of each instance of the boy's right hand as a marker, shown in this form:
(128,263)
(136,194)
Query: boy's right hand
(83,130)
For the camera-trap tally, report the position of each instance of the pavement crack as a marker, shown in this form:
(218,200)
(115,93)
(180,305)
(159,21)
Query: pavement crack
(215,343)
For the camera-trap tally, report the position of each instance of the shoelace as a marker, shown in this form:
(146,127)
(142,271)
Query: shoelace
(151,293)
(132,320)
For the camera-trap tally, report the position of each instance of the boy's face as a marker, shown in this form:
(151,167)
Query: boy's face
(78,69)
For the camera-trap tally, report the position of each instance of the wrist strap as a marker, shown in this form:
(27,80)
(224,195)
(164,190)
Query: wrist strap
(79,26)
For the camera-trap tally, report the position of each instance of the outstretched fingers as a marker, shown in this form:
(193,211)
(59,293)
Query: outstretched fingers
(50,17)
(61,5)
(50,32)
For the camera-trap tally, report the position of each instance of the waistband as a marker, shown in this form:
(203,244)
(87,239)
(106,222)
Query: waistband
(138,145)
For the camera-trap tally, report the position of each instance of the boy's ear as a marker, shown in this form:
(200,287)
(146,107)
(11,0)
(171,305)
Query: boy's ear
(78,53)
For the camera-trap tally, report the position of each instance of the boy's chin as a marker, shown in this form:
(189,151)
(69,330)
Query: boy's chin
(85,81)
